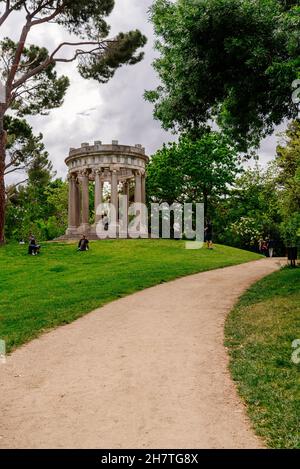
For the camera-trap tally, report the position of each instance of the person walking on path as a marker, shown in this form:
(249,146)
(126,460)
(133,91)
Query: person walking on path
(208,234)
(271,245)
(264,248)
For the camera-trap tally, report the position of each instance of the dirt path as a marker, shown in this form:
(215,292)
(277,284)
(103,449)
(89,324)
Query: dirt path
(146,371)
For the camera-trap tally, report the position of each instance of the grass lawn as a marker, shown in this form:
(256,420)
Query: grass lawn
(41,292)
(259,334)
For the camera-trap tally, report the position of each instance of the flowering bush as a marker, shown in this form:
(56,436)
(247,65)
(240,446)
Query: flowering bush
(247,230)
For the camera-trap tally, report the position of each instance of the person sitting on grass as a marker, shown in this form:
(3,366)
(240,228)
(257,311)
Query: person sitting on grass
(83,244)
(33,248)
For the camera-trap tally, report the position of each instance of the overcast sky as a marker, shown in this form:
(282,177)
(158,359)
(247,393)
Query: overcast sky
(114,111)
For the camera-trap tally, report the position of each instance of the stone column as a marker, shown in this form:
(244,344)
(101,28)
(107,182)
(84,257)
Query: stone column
(114,190)
(126,190)
(144,188)
(71,208)
(77,203)
(85,201)
(138,187)
(98,193)
(123,222)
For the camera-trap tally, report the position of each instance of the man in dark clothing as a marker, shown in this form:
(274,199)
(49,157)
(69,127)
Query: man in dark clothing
(33,248)
(208,234)
(292,255)
(271,245)
(83,244)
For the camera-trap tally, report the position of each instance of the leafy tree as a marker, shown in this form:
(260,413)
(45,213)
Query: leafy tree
(251,206)
(57,201)
(288,161)
(30,84)
(165,176)
(229,61)
(290,230)
(27,200)
(193,171)
(25,154)
(44,212)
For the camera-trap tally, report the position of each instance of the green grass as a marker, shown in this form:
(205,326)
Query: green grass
(259,334)
(41,292)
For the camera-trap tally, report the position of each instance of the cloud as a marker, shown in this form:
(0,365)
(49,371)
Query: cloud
(117,110)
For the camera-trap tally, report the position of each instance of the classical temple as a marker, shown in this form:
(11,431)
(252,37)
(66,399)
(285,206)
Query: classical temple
(122,166)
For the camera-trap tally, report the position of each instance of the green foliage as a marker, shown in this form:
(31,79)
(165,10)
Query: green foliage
(118,52)
(192,171)
(255,198)
(86,18)
(290,230)
(247,231)
(23,147)
(40,208)
(231,61)
(288,161)
(42,91)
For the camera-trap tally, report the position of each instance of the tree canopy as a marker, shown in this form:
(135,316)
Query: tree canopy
(288,161)
(228,61)
(23,147)
(193,171)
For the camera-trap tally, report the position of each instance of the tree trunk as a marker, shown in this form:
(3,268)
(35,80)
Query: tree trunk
(205,200)
(2,184)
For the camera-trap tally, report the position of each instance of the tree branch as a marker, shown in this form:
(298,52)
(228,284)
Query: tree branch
(21,44)
(52,59)
(13,187)
(18,168)
(17,57)
(8,10)
(46,18)
(13,160)
(17,94)
(80,51)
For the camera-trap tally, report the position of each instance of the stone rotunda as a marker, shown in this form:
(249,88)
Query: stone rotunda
(122,166)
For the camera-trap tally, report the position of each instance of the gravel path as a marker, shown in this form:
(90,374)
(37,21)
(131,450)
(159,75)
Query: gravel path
(146,371)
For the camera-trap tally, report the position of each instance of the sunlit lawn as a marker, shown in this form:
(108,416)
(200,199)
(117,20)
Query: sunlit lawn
(41,292)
